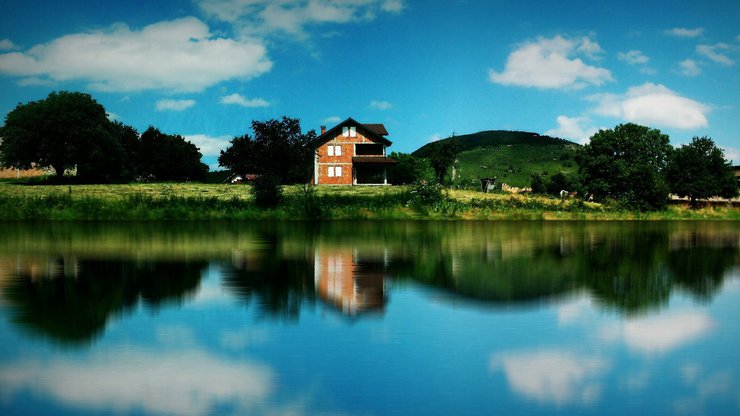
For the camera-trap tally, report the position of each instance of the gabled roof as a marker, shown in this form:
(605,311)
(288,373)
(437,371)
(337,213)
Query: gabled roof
(373,132)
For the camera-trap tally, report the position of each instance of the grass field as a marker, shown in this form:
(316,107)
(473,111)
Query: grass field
(194,201)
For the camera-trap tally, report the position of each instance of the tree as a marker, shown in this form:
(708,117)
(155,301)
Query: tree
(627,164)
(169,157)
(442,158)
(279,152)
(65,130)
(278,148)
(407,170)
(699,170)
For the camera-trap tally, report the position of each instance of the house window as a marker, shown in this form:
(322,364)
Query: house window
(334,171)
(335,150)
(350,131)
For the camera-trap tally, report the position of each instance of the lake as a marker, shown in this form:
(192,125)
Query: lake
(370,318)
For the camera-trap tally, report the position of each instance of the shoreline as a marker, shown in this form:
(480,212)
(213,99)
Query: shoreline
(207,202)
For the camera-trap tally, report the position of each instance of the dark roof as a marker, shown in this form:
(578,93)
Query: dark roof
(377,129)
(373,160)
(371,131)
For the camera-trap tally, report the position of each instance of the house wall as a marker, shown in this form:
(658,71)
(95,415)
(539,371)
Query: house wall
(324,161)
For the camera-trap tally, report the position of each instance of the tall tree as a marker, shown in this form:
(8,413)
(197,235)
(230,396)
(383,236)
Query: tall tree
(278,148)
(65,130)
(169,157)
(627,163)
(699,170)
(442,158)
(279,152)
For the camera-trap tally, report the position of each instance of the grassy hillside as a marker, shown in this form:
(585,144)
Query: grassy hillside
(511,156)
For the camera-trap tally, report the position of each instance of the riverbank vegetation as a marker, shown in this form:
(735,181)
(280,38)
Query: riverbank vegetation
(194,201)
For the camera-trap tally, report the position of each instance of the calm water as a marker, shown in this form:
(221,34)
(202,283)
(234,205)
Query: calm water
(370,319)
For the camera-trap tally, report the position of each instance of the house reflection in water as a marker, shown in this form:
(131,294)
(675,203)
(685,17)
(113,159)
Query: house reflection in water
(353,283)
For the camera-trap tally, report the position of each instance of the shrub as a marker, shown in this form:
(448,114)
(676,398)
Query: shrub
(267,191)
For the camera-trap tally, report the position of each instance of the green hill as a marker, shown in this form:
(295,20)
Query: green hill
(511,156)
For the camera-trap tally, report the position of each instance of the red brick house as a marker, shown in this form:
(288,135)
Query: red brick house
(352,153)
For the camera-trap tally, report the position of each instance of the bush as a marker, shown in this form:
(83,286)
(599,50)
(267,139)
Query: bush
(267,191)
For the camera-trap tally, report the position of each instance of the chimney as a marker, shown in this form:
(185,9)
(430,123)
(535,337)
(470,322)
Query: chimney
(323,129)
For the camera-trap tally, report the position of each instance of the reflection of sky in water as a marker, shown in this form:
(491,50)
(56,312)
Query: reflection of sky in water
(428,353)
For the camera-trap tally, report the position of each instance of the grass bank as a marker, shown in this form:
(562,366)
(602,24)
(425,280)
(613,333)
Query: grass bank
(135,202)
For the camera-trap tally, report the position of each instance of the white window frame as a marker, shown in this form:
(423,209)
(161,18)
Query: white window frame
(338,150)
(330,150)
(330,172)
(353,131)
(345,131)
(338,171)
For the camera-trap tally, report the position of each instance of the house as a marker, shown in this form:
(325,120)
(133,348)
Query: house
(352,153)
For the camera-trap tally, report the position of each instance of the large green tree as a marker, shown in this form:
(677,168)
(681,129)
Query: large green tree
(699,170)
(408,169)
(279,152)
(627,163)
(65,130)
(167,157)
(278,148)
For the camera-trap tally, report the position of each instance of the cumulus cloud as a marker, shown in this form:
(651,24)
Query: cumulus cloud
(178,55)
(6,45)
(553,376)
(683,32)
(712,52)
(660,334)
(552,63)
(238,99)
(574,128)
(173,105)
(634,57)
(380,105)
(184,383)
(292,17)
(653,105)
(689,68)
(209,145)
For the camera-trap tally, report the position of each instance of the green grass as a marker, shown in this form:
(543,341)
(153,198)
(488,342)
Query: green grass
(181,202)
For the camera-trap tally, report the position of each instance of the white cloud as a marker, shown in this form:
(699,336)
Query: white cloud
(732,154)
(292,17)
(178,55)
(209,145)
(173,105)
(712,53)
(332,120)
(435,137)
(573,128)
(380,105)
(689,68)
(238,99)
(653,105)
(634,57)
(683,32)
(142,381)
(661,334)
(553,376)
(6,45)
(552,63)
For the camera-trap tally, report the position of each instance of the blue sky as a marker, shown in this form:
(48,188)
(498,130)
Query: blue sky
(206,68)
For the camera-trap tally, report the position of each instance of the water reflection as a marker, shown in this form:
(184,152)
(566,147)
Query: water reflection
(66,280)
(509,318)
(70,300)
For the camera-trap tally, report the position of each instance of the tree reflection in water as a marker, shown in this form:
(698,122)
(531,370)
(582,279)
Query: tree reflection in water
(71,300)
(281,268)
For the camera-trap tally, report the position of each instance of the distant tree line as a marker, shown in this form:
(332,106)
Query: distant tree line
(71,131)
